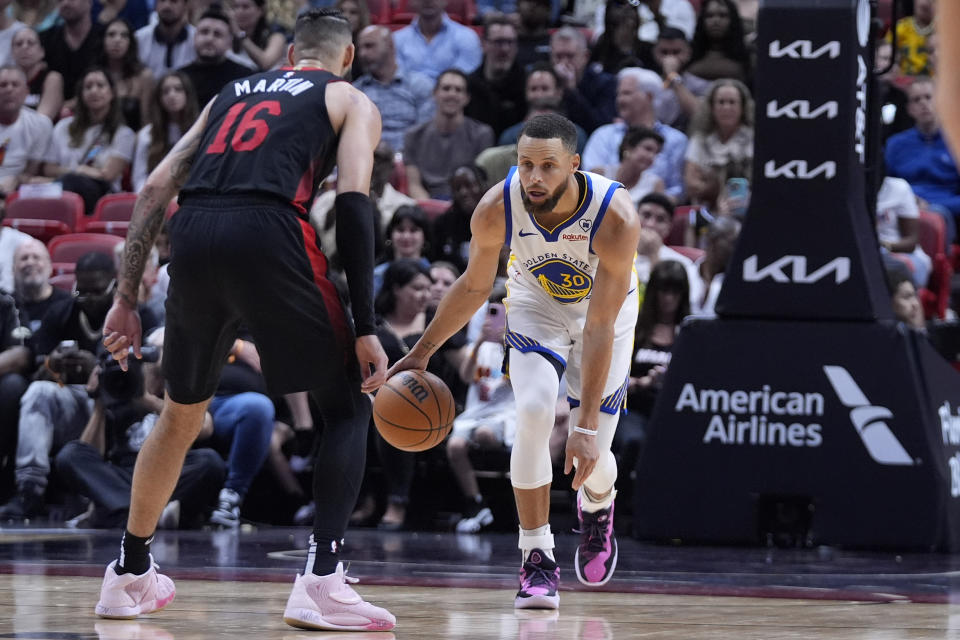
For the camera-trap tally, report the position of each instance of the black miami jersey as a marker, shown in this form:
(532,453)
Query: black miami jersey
(267,134)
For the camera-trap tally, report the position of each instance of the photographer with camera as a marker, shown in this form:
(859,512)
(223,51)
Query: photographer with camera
(56,406)
(99,465)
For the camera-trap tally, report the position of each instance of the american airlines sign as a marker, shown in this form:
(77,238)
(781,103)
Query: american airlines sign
(803,50)
(794,269)
(801,110)
(799,170)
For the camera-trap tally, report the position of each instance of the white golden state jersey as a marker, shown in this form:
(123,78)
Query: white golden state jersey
(560,261)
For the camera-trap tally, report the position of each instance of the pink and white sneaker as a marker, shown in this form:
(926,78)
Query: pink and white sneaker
(596,557)
(330,603)
(539,583)
(127,596)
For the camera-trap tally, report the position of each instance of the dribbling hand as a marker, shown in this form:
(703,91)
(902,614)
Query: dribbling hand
(373,362)
(408,361)
(583,448)
(121,330)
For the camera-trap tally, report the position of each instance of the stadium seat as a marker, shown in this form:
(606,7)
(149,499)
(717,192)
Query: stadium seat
(681,220)
(398,178)
(932,235)
(433,208)
(65,250)
(44,218)
(111,215)
(380,11)
(691,252)
(64,281)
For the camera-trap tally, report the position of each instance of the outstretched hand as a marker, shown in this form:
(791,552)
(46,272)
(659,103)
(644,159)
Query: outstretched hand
(122,330)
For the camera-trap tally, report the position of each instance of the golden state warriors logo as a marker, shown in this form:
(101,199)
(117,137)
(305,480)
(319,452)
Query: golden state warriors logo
(564,282)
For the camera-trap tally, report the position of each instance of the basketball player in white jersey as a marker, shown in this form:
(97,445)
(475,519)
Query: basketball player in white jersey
(948,72)
(571,306)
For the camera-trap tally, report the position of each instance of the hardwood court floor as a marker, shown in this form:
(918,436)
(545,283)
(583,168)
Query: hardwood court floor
(60,608)
(234,585)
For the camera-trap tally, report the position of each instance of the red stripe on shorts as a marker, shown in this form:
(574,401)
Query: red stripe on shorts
(318,263)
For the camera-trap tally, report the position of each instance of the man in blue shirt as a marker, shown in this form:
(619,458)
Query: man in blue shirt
(921,157)
(588,94)
(433,42)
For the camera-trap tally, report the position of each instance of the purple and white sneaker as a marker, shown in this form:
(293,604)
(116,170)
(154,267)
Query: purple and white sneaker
(539,580)
(596,557)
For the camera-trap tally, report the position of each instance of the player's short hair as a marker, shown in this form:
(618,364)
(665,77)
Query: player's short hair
(323,31)
(551,125)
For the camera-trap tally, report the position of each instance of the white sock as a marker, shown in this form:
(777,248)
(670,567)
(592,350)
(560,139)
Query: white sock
(588,505)
(539,538)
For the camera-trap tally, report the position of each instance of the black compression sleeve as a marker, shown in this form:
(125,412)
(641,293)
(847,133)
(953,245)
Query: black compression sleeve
(355,240)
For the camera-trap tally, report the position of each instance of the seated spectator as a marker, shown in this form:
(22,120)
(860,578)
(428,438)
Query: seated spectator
(73,46)
(172,110)
(619,45)
(386,199)
(357,13)
(898,228)
(433,43)
(135,12)
(401,307)
(913,33)
(24,132)
(44,85)
(894,116)
(451,230)
(34,293)
(90,151)
(403,97)
(36,14)
(533,31)
(259,44)
(666,302)
(718,45)
(721,138)
(14,362)
(907,307)
(589,94)
(921,157)
(487,9)
(10,241)
(55,408)
(636,92)
(677,104)
(496,87)
(656,219)
(443,275)
(167,43)
(212,69)
(544,94)
(721,237)
(132,80)
(9,26)
(99,464)
(408,237)
(488,421)
(432,150)
(638,151)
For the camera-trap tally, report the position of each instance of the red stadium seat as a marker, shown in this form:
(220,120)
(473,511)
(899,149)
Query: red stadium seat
(380,11)
(936,295)
(44,218)
(681,220)
(67,249)
(398,178)
(433,208)
(691,252)
(112,214)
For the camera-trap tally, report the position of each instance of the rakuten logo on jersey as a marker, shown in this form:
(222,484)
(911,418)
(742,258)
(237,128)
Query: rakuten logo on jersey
(574,236)
(803,50)
(794,269)
(801,110)
(799,170)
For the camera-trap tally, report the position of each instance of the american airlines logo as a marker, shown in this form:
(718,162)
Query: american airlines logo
(869,420)
(803,50)
(799,170)
(794,269)
(800,110)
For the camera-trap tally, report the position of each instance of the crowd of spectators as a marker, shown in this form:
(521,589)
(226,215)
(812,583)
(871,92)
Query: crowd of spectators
(93,95)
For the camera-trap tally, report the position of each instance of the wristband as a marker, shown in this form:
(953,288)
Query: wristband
(586,432)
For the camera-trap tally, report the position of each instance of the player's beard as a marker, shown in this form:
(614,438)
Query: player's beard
(547,205)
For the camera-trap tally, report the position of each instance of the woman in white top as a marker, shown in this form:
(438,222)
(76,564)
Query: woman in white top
(721,140)
(638,150)
(90,151)
(898,227)
(173,108)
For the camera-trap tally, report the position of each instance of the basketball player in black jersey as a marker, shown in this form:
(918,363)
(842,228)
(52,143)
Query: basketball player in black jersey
(243,251)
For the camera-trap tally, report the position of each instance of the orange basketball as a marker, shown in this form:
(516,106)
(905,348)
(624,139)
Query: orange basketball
(414,410)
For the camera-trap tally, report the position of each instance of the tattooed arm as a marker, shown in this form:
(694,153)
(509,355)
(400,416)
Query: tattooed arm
(121,329)
(162,185)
